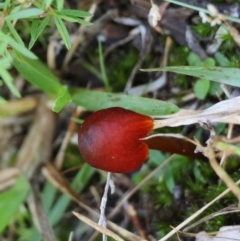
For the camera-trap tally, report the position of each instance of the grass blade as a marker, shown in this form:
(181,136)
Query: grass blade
(229,76)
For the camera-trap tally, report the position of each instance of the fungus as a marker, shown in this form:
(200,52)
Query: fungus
(110,139)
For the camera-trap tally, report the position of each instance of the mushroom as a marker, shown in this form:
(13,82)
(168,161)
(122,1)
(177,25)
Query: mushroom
(111,139)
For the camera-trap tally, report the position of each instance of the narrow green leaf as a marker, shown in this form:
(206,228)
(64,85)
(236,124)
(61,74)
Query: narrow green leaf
(74,13)
(37,74)
(42,25)
(15,45)
(37,29)
(6,62)
(11,199)
(34,27)
(59,4)
(6,4)
(48,196)
(229,76)
(102,67)
(46,3)
(3,46)
(63,31)
(75,20)
(2,100)
(22,49)
(96,100)
(14,32)
(83,22)
(25,13)
(63,99)
(8,80)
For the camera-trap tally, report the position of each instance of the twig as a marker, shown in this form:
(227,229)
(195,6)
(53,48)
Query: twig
(98,227)
(70,131)
(223,211)
(221,173)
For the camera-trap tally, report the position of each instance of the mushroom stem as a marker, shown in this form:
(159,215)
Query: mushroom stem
(102,218)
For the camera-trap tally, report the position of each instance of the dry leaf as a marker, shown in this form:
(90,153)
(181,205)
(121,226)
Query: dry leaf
(36,147)
(98,227)
(8,177)
(226,111)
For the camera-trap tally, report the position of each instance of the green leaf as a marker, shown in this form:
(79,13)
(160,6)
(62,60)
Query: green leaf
(11,199)
(215,89)
(25,13)
(37,28)
(222,59)
(59,4)
(229,76)
(20,48)
(63,99)
(209,62)
(102,67)
(75,20)
(83,22)
(201,88)
(74,13)
(14,32)
(34,28)
(2,101)
(3,46)
(6,4)
(198,174)
(46,3)
(63,31)
(37,74)
(8,80)
(96,100)
(193,59)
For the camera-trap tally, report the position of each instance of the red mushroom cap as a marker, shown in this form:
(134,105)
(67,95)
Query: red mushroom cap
(110,139)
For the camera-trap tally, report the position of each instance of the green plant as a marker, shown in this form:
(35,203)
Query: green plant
(14,51)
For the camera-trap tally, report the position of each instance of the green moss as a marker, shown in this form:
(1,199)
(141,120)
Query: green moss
(120,65)
(204,30)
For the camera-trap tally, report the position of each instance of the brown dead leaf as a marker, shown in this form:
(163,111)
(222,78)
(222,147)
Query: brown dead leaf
(8,177)
(36,147)
(226,111)
(52,174)
(98,227)
(234,33)
(18,107)
(38,214)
